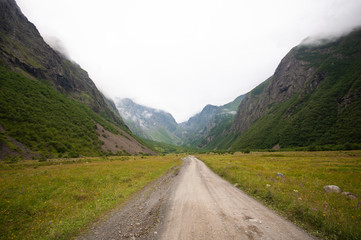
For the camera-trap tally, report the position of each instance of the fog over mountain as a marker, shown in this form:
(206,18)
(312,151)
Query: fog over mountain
(181,56)
(149,123)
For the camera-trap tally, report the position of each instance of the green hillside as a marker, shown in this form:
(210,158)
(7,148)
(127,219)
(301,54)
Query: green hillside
(165,148)
(49,105)
(217,136)
(45,120)
(330,114)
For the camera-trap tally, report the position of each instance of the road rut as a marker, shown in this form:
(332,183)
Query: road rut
(204,206)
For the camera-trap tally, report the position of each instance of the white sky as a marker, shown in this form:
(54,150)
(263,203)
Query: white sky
(180,55)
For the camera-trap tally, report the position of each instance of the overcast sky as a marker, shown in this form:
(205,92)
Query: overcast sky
(179,56)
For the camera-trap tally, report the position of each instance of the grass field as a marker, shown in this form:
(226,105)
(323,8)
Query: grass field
(55,200)
(299,195)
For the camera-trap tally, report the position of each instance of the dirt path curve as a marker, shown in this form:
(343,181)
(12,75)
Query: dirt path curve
(204,206)
(193,203)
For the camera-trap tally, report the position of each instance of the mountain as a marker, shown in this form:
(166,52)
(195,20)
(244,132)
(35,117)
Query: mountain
(210,125)
(149,123)
(49,105)
(313,98)
(192,129)
(216,132)
(199,131)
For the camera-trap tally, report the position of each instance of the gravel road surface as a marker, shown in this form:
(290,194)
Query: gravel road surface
(194,203)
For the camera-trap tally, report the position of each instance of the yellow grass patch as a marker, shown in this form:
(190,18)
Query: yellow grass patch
(56,199)
(298,194)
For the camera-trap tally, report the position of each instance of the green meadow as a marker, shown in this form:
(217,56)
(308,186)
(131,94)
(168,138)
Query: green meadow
(298,194)
(57,199)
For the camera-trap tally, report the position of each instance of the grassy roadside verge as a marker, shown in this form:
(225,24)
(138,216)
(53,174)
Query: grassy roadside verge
(55,200)
(298,195)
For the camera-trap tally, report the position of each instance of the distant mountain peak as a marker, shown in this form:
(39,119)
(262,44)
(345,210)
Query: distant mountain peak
(146,122)
(159,125)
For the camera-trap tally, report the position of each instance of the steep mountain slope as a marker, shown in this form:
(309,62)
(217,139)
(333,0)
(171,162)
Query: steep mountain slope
(211,125)
(22,48)
(193,129)
(200,130)
(49,105)
(313,98)
(148,123)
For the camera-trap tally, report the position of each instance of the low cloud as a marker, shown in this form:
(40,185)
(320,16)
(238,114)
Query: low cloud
(182,55)
(56,44)
(322,39)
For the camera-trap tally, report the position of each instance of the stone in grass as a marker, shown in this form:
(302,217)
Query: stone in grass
(349,195)
(280,175)
(332,189)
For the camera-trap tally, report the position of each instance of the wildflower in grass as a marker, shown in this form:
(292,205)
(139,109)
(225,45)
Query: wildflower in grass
(294,190)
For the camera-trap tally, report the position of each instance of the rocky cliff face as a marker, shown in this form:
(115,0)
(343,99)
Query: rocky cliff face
(216,126)
(292,76)
(283,108)
(23,49)
(193,128)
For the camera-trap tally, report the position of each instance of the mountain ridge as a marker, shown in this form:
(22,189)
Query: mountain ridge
(23,49)
(49,104)
(187,134)
(149,123)
(307,99)
(313,98)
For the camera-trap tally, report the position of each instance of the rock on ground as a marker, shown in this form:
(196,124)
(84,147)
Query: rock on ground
(349,195)
(331,189)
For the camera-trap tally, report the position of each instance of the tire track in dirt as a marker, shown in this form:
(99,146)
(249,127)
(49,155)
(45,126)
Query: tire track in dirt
(204,206)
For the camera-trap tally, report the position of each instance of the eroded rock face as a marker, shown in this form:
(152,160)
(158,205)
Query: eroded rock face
(291,76)
(332,189)
(196,124)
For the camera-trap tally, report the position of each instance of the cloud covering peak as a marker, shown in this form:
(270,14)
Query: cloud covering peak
(182,55)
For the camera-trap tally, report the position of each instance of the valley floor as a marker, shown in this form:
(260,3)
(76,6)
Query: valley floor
(194,203)
(163,197)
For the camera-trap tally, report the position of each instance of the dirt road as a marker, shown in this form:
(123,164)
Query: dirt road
(195,204)
(204,206)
